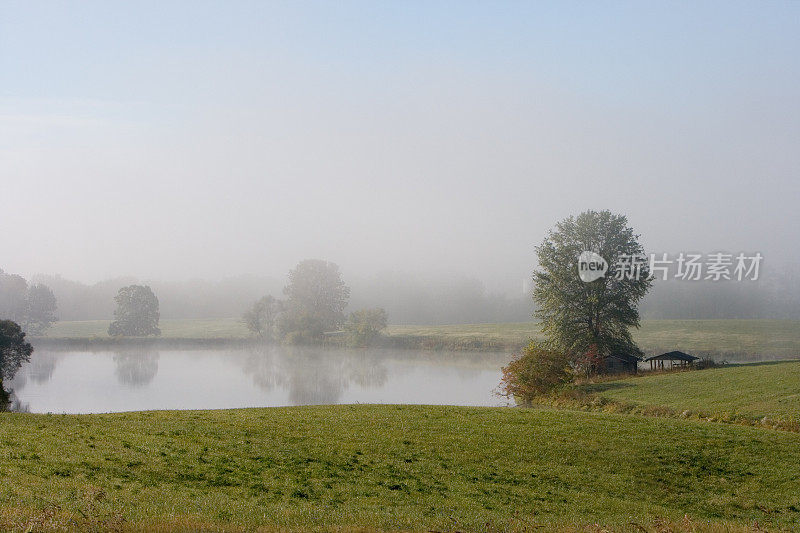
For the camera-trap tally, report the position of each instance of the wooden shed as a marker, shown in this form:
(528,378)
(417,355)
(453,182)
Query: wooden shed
(675,358)
(621,363)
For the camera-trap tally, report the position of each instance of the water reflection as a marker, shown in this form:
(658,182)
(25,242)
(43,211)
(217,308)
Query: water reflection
(131,379)
(136,367)
(9,380)
(313,375)
(262,365)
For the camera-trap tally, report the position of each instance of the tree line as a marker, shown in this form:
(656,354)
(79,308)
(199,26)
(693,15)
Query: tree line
(409,298)
(313,306)
(426,299)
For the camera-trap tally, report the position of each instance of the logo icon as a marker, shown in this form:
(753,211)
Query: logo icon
(591,266)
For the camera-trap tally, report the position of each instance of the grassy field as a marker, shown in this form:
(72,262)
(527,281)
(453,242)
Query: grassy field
(364,468)
(755,390)
(720,338)
(731,339)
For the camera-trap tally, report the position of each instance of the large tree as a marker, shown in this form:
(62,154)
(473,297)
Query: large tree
(136,314)
(13,352)
(316,298)
(591,319)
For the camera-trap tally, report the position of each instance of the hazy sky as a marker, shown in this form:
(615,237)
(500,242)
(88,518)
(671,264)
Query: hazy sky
(206,139)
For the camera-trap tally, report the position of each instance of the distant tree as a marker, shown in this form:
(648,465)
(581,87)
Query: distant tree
(316,298)
(535,372)
(13,297)
(136,314)
(261,318)
(589,320)
(40,309)
(13,352)
(364,326)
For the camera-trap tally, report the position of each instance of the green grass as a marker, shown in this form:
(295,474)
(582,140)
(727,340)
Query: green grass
(412,468)
(731,339)
(757,390)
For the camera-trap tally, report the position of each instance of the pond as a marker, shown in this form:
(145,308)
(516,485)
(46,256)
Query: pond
(83,381)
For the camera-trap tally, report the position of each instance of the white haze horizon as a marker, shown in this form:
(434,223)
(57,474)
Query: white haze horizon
(187,141)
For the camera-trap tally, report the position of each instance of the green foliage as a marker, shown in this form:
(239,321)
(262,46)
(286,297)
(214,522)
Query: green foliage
(390,468)
(316,298)
(535,372)
(578,317)
(14,351)
(365,325)
(261,319)
(136,314)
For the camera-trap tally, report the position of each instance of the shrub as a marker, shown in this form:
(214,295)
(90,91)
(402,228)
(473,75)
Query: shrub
(535,372)
(365,325)
(300,327)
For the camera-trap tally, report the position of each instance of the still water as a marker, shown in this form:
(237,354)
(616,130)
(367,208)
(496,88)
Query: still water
(59,381)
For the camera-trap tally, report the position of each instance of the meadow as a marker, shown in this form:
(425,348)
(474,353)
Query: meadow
(409,468)
(722,339)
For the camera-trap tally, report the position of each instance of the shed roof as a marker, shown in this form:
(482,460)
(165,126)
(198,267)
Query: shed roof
(673,356)
(624,357)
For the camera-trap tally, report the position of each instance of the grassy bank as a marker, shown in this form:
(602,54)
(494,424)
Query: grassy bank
(392,467)
(759,391)
(722,339)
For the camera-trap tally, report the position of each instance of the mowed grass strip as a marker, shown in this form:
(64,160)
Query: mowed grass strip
(754,390)
(413,468)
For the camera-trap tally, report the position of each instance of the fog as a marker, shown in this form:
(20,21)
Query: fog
(433,145)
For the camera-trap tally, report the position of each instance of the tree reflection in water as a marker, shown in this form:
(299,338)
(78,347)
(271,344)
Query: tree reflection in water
(313,375)
(136,367)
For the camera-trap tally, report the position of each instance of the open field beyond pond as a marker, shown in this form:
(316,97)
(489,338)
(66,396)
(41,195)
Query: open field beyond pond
(412,468)
(722,339)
